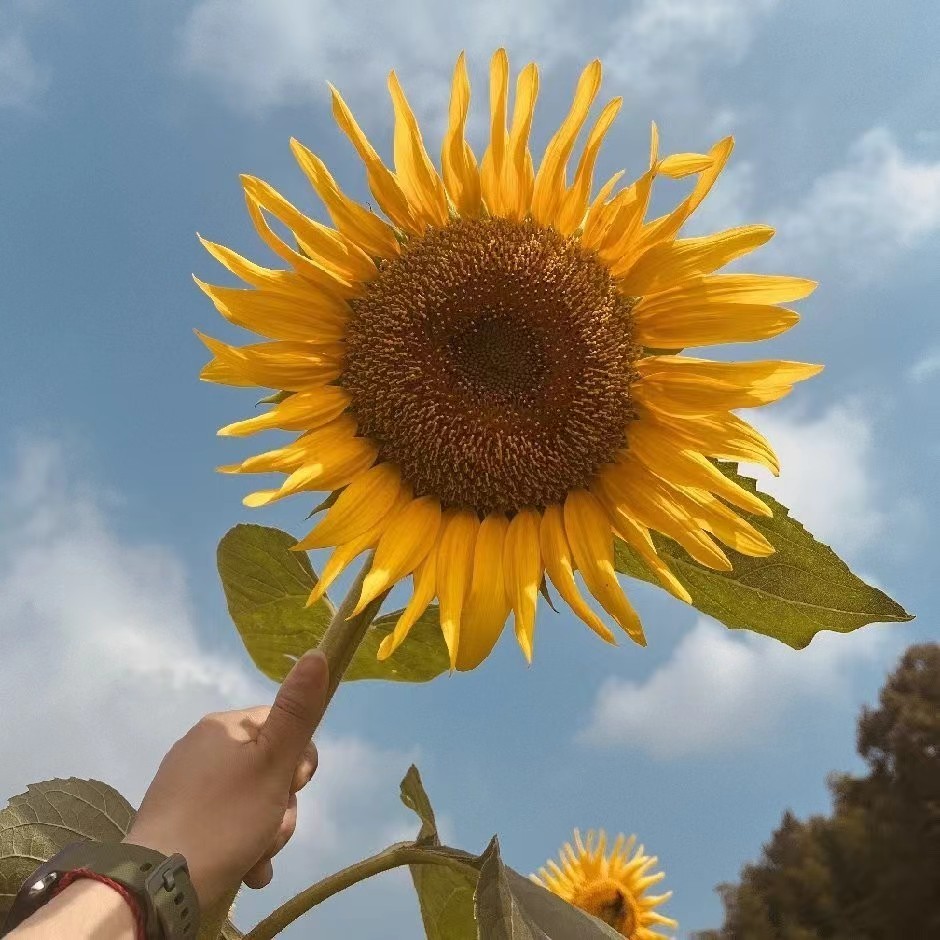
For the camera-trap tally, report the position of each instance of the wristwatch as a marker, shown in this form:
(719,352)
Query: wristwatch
(161,885)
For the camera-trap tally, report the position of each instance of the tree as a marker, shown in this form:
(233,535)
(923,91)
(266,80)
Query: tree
(871,870)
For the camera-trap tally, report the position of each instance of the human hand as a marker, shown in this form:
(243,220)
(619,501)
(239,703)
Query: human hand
(225,794)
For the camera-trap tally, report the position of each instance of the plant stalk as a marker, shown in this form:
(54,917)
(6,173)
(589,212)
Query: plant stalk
(346,631)
(401,853)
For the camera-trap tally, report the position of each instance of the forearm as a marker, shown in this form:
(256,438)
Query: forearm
(84,910)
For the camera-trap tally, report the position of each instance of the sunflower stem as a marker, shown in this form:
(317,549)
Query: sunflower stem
(401,853)
(346,630)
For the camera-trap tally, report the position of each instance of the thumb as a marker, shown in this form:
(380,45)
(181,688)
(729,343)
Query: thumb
(297,709)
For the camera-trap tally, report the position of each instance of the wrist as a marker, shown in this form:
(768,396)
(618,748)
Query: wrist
(84,908)
(166,844)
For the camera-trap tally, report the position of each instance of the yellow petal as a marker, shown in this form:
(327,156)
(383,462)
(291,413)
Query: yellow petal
(678,165)
(637,536)
(708,289)
(722,436)
(491,168)
(346,552)
(599,213)
(361,506)
(670,263)
(362,227)
(487,606)
(761,372)
(317,318)
(328,247)
(291,366)
(642,496)
(575,202)
(413,168)
(331,466)
(726,525)
(687,467)
(254,274)
(710,324)
(302,411)
(385,188)
(668,226)
(518,171)
(592,545)
(425,582)
(690,395)
(522,560)
(404,544)
(455,553)
(550,178)
(559,566)
(308,269)
(614,247)
(458,164)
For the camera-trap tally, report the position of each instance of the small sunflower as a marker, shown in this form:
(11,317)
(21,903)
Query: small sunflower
(488,379)
(611,887)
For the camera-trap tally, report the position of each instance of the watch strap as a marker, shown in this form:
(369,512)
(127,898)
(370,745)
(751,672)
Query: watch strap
(161,883)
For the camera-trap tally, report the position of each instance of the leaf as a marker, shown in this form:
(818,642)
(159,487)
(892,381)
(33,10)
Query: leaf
(510,906)
(267,585)
(41,822)
(803,588)
(445,894)
(54,813)
(498,913)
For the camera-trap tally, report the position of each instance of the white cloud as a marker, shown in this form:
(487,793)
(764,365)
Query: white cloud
(855,220)
(103,668)
(723,691)
(861,216)
(665,43)
(926,367)
(827,477)
(719,693)
(23,79)
(264,55)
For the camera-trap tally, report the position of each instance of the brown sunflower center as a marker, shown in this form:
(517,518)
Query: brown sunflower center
(492,361)
(608,902)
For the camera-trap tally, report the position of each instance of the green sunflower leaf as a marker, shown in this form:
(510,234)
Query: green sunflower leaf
(470,897)
(511,907)
(54,813)
(266,587)
(445,894)
(803,588)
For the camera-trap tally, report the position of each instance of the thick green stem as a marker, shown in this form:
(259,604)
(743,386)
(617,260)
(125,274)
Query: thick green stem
(402,853)
(346,630)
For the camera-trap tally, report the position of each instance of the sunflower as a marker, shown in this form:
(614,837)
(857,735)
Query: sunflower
(488,379)
(611,887)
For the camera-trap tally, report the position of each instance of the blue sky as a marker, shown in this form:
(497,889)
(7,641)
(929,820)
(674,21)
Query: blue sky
(123,128)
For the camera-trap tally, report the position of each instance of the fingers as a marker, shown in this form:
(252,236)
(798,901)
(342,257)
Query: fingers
(261,873)
(296,711)
(305,769)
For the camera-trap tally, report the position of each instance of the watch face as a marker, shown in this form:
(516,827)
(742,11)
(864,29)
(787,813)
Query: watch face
(39,887)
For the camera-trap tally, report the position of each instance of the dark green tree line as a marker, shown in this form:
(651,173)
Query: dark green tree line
(871,870)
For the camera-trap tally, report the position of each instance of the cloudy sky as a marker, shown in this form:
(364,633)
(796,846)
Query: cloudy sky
(123,128)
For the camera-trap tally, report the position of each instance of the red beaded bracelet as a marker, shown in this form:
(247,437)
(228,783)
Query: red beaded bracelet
(129,896)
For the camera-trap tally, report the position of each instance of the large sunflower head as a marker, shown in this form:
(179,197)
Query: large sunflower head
(612,886)
(489,379)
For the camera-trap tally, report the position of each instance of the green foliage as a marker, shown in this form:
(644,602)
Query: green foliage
(479,898)
(804,587)
(445,894)
(871,870)
(54,813)
(267,585)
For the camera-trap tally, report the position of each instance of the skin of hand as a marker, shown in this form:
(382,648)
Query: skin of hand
(225,795)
